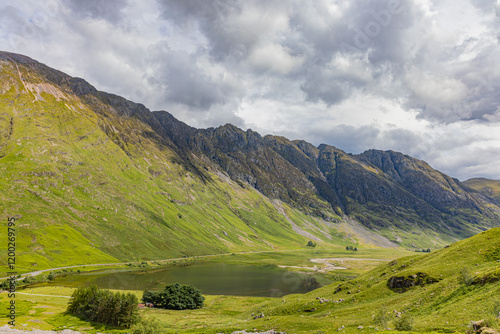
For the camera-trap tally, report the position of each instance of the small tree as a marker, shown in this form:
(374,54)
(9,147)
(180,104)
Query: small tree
(311,244)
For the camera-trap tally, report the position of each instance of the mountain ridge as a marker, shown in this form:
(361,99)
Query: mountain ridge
(136,183)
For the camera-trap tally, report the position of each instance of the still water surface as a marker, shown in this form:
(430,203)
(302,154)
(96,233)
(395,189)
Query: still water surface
(210,278)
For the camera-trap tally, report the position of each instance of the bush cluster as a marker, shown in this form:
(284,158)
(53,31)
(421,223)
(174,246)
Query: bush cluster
(103,306)
(405,323)
(428,250)
(350,248)
(175,297)
(311,244)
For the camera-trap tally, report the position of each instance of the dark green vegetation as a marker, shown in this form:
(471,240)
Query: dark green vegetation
(105,307)
(175,297)
(95,178)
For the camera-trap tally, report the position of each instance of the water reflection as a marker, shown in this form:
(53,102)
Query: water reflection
(210,278)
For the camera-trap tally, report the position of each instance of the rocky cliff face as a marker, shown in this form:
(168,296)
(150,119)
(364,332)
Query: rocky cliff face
(381,189)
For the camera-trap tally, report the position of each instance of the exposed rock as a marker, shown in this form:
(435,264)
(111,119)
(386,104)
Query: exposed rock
(480,327)
(402,283)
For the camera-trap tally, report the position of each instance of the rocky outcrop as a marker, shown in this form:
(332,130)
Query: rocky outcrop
(480,327)
(403,283)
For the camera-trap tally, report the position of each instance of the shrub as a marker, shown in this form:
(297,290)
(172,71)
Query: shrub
(496,309)
(381,318)
(405,323)
(150,326)
(465,277)
(175,297)
(311,244)
(103,306)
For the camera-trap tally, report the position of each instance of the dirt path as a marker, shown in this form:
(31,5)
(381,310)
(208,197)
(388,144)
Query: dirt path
(7,330)
(34,294)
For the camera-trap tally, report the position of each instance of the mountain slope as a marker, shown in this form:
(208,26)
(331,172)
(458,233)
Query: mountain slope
(91,182)
(486,187)
(94,177)
(385,191)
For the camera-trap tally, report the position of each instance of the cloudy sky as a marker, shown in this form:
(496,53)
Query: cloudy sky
(417,76)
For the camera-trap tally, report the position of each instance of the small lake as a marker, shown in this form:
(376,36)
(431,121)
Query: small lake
(210,278)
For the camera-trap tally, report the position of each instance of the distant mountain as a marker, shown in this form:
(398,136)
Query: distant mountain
(487,187)
(94,177)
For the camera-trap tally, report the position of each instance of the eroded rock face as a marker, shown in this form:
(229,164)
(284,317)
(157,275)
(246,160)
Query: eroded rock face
(403,283)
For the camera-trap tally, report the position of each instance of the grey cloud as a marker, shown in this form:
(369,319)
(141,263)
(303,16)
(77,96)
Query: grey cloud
(15,24)
(349,138)
(211,18)
(181,80)
(109,10)
(321,86)
(469,163)
(372,31)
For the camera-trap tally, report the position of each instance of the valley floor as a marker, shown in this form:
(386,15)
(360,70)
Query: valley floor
(447,304)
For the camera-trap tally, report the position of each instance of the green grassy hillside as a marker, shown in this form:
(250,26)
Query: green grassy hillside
(460,285)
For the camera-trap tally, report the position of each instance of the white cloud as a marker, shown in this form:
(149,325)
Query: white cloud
(274,57)
(435,90)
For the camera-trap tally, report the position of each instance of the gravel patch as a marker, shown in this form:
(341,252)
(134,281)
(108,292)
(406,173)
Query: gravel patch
(8,330)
